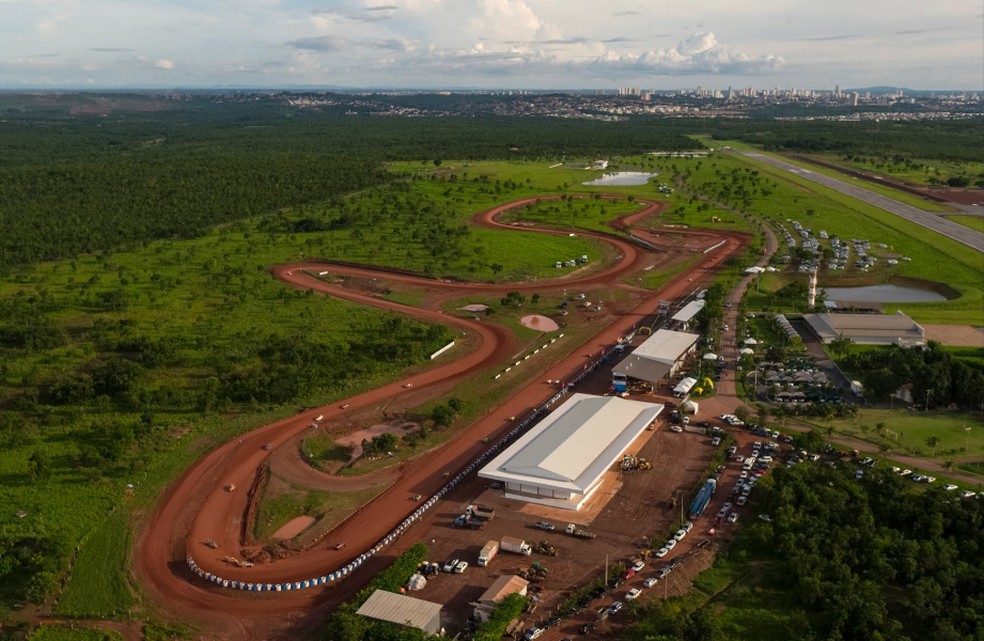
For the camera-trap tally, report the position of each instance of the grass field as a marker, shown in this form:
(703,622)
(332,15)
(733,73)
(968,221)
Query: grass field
(98,586)
(902,196)
(58,633)
(328,508)
(916,171)
(974,222)
(961,433)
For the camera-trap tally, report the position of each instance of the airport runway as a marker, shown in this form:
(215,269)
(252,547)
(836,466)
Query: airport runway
(948,228)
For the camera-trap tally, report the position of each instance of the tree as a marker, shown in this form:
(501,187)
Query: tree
(840,346)
(39,466)
(933,442)
(442,415)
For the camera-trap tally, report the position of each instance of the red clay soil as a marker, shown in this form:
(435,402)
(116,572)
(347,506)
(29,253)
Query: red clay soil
(197,506)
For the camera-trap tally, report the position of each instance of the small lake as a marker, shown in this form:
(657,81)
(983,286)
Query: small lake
(621,179)
(882,294)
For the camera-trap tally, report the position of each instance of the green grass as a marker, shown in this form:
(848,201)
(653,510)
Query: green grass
(99,587)
(322,448)
(895,194)
(971,355)
(918,171)
(657,277)
(908,431)
(976,467)
(974,222)
(580,213)
(58,633)
(329,509)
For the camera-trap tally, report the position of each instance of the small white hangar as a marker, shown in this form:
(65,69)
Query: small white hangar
(560,461)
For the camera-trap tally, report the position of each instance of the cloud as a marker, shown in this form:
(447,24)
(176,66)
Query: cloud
(319,43)
(366,14)
(628,12)
(164,64)
(847,36)
(565,41)
(110,49)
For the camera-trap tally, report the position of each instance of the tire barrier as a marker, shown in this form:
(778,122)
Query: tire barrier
(416,515)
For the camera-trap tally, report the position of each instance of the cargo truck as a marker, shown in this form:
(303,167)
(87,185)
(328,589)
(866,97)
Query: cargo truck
(573,530)
(480,512)
(488,553)
(518,546)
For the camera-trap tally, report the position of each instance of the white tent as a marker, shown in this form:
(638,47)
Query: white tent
(754,269)
(751,341)
(710,356)
(747,350)
(689,407)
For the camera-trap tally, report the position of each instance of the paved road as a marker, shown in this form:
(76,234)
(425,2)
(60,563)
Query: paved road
(971,238)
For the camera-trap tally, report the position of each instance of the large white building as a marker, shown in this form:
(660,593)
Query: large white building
(867,329)
(403,610)
(560,461)
(661,356)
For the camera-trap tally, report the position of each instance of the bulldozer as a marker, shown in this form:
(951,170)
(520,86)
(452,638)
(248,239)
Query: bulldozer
(543,547)
(537,569)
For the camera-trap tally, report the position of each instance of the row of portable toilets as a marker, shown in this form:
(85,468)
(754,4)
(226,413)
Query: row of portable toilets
(406,523)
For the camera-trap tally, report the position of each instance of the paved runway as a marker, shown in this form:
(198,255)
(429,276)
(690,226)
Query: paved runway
(948,228)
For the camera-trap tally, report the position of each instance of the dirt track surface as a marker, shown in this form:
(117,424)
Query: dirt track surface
(197,508)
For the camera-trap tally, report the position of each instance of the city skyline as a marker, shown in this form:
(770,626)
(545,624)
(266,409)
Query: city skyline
(476,44)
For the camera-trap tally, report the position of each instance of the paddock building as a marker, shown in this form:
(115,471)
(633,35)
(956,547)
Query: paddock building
(867,329)
(560,461)
(660,356)
(403,610)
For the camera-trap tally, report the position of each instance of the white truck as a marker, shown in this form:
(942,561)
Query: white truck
(513,544)
(488,553)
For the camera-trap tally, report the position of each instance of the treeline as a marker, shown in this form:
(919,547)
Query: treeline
(77,186)
(937,378)
(958,140)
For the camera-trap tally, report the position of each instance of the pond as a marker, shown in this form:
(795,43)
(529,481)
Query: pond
(621,179)
(882,294)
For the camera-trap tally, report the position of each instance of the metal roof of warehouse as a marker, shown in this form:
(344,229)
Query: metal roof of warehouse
(666,346)
(688,312)
(571,448)
(399,608)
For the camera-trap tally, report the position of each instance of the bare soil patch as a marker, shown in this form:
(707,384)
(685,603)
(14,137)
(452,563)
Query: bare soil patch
(540,322)
(294,527)
(956,335)
(354,440)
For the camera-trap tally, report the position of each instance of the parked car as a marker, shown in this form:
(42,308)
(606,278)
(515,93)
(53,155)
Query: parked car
(638,565)
(615,607)
(671,544)
(633,594)
(741,501)
(680,534)
(676,428)
(688,526)
(460,567)
(950,487)
(449,565)
(660,553)
(650,582)
(545,525)
(732,517)
(533,633)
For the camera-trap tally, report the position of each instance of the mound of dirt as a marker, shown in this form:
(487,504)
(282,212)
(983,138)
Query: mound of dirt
(540,322)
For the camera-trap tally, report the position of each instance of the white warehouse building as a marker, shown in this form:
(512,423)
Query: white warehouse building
(560,462)
(661,356)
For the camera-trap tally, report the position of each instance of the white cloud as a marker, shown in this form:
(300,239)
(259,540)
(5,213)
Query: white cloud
(164,64)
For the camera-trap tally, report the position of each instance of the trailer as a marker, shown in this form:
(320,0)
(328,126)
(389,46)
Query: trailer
(468,521)
(703,498)
(488,553)
(480,512)
(516,545)
(574,530)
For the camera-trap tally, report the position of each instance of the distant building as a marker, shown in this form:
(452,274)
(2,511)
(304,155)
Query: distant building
(599,165)
(502,587)
(403,610)
(687,314)
(867,329)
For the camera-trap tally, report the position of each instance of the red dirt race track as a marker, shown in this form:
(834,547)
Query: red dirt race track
(197,508)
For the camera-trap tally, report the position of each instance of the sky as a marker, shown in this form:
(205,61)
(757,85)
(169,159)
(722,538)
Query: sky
(491,44)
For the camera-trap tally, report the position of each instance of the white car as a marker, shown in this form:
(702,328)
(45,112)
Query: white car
(633,594)
(638,565)
(732,517)
(650,582)
(968,494)
(660,553)
(670,544)
(741,501)
(460,567)
(449,565)
(680,534)
(676,428)
(739,459)
(688,526)
(950,487)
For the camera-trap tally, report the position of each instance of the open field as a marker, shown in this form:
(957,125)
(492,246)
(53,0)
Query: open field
(961,434)
(915,171)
